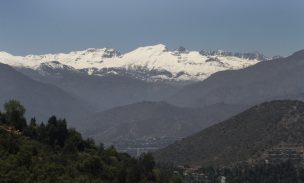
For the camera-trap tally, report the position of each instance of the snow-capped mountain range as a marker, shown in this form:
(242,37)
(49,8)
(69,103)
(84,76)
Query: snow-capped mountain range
(150,63)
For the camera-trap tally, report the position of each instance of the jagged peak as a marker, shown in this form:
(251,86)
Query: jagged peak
(94,50)
(55,64)
(181,49)
(250,56)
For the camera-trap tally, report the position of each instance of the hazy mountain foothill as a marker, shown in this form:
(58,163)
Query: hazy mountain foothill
(101,92)
(152,119)
(41,100)
(245,137)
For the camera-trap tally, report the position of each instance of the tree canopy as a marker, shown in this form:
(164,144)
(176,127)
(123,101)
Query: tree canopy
(53,153)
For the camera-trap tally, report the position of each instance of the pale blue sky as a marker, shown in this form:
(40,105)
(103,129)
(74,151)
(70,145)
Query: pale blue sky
(47,26)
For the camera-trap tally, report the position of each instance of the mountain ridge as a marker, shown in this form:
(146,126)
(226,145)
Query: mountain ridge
(150,63)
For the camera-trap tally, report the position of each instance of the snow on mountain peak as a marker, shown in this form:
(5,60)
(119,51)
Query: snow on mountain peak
(9,59)
(5,54)
(155,62)
(159,48)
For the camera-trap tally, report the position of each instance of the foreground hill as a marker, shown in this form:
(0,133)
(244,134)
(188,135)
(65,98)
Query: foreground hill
(50,152)
(152,120)
(240,138)
(41,100)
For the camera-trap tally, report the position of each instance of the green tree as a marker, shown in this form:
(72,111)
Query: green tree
(32,129)
(74,142)
(147,161)
(14,114)
(57,131)
(92,165)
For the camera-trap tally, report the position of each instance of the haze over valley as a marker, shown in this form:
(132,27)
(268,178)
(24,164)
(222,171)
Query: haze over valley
(145,101)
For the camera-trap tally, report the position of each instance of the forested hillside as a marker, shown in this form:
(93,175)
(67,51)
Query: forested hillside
(38,152)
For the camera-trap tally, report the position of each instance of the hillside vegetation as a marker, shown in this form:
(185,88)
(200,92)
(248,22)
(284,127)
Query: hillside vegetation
(52,153)
(241,137)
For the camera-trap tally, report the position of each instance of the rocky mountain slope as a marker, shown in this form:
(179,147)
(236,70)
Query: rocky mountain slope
(245,136)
